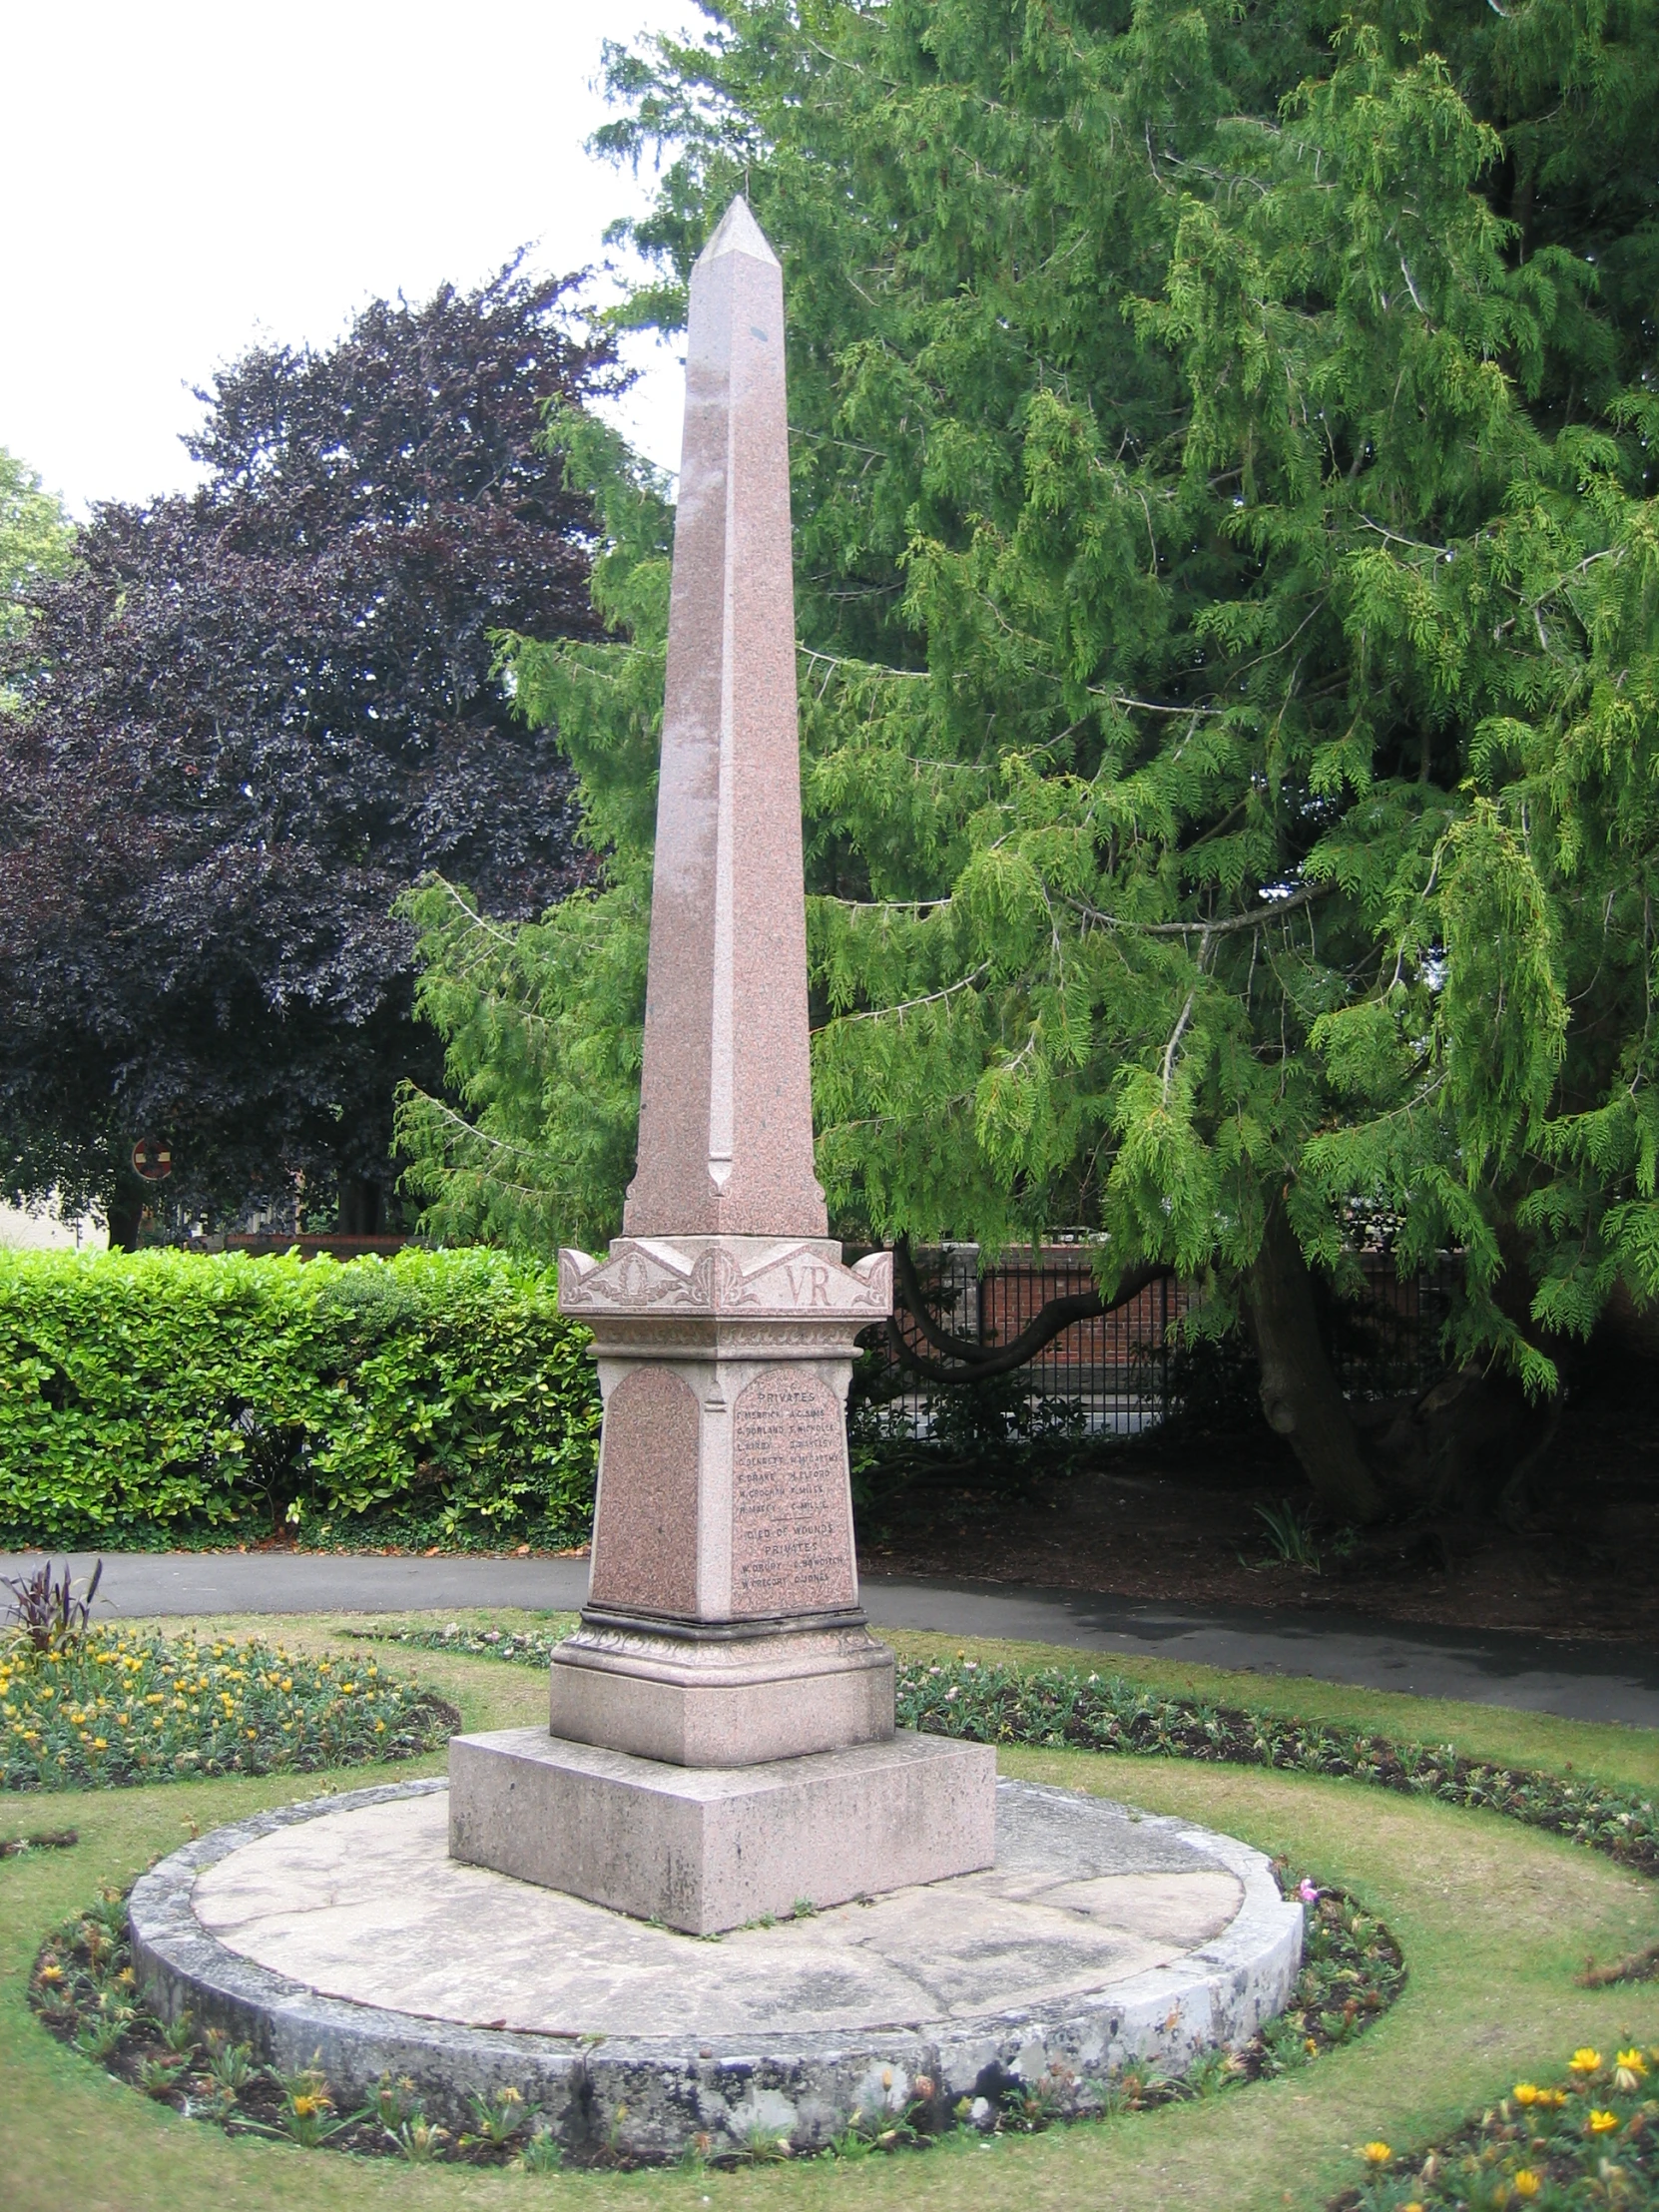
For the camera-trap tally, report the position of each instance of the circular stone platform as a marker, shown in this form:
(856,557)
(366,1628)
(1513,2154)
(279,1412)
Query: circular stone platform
(340,1931)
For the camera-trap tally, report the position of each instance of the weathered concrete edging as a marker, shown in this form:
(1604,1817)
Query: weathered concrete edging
(650,2096)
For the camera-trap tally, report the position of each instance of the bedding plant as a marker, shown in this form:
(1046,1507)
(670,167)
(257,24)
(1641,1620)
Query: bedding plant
(1053,1708)
(1592,2137)
(119,1706)
(85,1991)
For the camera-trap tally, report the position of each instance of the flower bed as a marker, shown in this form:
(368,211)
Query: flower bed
(1591,2138)
(1054,1709)
(117,1707)
(83,1989)
(524,1647)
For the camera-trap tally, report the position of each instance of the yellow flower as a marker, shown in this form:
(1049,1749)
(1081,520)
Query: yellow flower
(160,1721)
(1554,2098)
(1525,2092)
(1527,2183)
(1603,2123)
(1584,2060)
(1311,2046)
(1627,2074)
(100,1743)
(379,1727)
(252,1732)
(287,1682)
(1376,2154)
(305,2105)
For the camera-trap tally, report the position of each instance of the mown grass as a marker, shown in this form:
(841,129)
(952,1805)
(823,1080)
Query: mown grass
(1495,1921)
(1609,1751)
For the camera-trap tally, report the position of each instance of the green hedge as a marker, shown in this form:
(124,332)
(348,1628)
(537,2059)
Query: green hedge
(167,1392)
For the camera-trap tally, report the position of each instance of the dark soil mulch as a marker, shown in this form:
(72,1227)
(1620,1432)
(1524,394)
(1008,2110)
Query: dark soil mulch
(1173,1516)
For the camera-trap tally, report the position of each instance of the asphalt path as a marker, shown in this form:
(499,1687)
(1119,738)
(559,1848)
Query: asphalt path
(1579,1681)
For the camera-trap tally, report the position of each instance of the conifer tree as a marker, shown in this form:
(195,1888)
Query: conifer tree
(1227,576)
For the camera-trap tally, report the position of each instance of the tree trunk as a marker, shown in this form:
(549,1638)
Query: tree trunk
(1300,1395)
(362,1207)
(124,1212)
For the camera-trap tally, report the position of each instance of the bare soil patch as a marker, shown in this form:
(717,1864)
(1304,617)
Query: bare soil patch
(1175,1518)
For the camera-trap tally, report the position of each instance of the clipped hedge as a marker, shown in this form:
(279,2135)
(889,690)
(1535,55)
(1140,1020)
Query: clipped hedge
(180,1392)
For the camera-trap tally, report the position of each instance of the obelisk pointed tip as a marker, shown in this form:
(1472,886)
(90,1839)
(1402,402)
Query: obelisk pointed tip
(739,233)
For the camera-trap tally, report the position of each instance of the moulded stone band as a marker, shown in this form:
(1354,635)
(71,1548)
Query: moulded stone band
(751,1276)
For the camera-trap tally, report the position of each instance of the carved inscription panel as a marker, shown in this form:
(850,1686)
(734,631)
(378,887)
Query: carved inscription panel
(645,1534)
(791,1516)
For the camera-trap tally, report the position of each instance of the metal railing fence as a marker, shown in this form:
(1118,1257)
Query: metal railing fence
(1117,1375)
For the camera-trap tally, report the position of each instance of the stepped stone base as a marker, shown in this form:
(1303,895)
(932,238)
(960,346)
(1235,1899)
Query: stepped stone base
(339,1934)
(708,1700)
(704,1849)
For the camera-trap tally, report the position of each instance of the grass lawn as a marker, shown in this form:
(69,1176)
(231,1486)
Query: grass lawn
(1494,1920)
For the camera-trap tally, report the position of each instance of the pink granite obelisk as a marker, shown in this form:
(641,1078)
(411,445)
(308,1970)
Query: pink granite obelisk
(721,1736)
(726,1101)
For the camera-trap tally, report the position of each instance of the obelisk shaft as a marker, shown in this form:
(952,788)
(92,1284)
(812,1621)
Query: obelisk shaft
(726,1109)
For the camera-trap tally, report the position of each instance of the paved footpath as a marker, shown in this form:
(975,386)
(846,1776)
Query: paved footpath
(1581,1681)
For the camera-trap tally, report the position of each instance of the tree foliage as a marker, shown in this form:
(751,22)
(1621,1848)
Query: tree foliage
(1227,580)
(36,541)
(248,719)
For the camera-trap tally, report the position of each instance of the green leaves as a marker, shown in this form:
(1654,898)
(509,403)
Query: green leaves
(1503,1018)
(1227,592)
(170,1387)
(36,542)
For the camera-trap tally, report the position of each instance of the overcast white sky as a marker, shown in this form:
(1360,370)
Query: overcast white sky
(187,176)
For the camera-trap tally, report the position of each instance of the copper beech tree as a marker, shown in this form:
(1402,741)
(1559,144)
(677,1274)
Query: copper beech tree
(246,720)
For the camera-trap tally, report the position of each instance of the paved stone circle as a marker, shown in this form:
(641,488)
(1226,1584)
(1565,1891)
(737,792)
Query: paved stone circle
(337,1931)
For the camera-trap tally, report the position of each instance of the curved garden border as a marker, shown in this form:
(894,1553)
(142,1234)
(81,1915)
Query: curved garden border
(649,2097)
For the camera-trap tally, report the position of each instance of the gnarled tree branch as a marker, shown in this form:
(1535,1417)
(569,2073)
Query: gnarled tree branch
(977,1363)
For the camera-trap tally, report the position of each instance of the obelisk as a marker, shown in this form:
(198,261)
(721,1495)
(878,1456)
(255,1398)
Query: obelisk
(726,1102)
(721,1739)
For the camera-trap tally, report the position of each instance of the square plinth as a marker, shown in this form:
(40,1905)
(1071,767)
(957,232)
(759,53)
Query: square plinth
(710,1847)
(718,1703)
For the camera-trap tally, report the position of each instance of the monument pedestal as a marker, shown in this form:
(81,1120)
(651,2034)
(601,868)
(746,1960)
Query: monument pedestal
(720,1698)
(722,1738)
(705,1849)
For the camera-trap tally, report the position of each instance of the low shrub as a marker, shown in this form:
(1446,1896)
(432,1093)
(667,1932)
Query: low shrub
(199,1394)
(117,1707)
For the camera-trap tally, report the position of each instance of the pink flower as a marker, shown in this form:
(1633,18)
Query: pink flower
(1307,1892)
